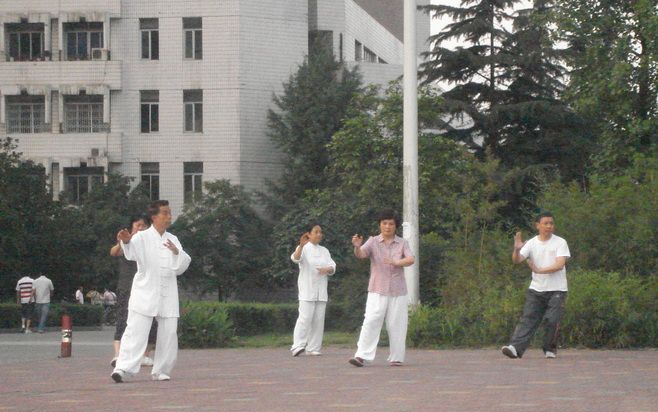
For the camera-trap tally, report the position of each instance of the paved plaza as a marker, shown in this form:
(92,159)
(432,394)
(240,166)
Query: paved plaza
(32,378)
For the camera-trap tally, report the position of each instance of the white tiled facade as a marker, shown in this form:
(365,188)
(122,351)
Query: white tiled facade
(249,49)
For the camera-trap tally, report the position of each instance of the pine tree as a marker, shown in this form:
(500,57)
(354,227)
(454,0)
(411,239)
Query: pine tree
(308,112)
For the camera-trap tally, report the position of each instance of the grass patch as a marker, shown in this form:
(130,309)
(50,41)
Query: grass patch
(276,340)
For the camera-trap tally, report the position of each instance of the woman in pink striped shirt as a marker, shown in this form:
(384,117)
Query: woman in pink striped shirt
(387,290)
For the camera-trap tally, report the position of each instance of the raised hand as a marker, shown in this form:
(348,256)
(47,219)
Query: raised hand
(124,236)
(170,245)
(518,241)
(357,240)
(304,239)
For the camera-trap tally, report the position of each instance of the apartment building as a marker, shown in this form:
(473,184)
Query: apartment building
(170,93)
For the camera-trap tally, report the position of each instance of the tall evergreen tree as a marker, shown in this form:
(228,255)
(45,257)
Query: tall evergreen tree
(308,112)
(613,57)
(537,127)
(474,69)
(507,85)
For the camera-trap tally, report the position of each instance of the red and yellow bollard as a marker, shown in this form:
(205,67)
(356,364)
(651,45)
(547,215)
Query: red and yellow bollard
(67,336)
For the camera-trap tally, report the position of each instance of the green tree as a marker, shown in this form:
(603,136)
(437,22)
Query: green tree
(506,95)
(226,238)
(308,112)
(613,56)
(26,210)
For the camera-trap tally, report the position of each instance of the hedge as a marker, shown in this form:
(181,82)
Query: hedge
(81,315)
(603,310)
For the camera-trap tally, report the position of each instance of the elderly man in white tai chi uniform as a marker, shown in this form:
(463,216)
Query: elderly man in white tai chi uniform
(154,293)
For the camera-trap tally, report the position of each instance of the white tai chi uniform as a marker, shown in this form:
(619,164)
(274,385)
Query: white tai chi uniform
(154,293)
(387,299)
(309,328)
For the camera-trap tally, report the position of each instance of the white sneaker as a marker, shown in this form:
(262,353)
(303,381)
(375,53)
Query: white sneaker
(550,355)
(146,361)
(314,353)
(160,377)
(510,351)
(27,330)
(297,352)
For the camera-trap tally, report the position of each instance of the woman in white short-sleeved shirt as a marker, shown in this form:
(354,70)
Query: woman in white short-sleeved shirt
(315,265)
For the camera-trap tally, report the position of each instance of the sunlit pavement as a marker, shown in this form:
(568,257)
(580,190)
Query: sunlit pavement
(33,378)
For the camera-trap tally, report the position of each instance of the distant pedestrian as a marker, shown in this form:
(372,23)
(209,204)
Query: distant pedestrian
(387,290)
(109,299)
(95,297)
(547,256)
(315,265)
(25,297)
(43,290)
(80,296)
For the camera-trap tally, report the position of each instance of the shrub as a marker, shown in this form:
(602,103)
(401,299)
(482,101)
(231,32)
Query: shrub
(204,325)
(603,310)
(81,315)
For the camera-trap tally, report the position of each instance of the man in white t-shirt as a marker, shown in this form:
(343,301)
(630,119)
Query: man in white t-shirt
(547,256)
(43,290)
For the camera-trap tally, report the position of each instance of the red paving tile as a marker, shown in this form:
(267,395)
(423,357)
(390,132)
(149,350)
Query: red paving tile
(271,380)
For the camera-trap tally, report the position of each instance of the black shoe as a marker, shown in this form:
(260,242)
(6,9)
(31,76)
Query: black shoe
(356,361)
(117,376)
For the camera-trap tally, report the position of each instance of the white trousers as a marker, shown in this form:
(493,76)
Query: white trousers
(309,328)
(135,339)
(393,309)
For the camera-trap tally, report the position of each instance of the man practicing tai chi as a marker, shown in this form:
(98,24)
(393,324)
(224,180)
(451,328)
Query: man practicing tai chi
(154,293)
(387,291)
(547,256)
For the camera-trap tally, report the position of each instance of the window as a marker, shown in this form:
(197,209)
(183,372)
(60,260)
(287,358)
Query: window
(369,56)
(193,38)
(26,41)
(358,51)
(84,114)
(151,179)
(150,38)
(80,180)
(192,181)
(81,38)
(26,114)
(149,108)
(193,102)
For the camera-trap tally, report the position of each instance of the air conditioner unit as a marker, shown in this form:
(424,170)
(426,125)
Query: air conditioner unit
(99,54)
(94,152)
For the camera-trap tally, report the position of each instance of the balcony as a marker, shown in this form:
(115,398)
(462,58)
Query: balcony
(71,145)
(113,7)
(54,73)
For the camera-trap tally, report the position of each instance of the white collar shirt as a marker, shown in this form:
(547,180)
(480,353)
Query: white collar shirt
(154,289)
(311,284)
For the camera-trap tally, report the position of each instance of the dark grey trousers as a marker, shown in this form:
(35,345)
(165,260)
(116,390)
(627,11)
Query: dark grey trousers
(547,306)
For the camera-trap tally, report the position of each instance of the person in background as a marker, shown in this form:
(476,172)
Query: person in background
(43,290)
(80,296)
(25,297)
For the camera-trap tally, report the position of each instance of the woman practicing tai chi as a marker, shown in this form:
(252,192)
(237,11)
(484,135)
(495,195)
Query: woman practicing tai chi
(315,264)
(387,290)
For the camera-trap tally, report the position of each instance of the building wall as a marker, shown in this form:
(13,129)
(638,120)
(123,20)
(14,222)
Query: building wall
(249,49)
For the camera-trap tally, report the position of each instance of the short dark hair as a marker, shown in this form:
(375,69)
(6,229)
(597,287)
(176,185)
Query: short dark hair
(154,208)
(137,218)
(310,225)
(388,214)
(543,214)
